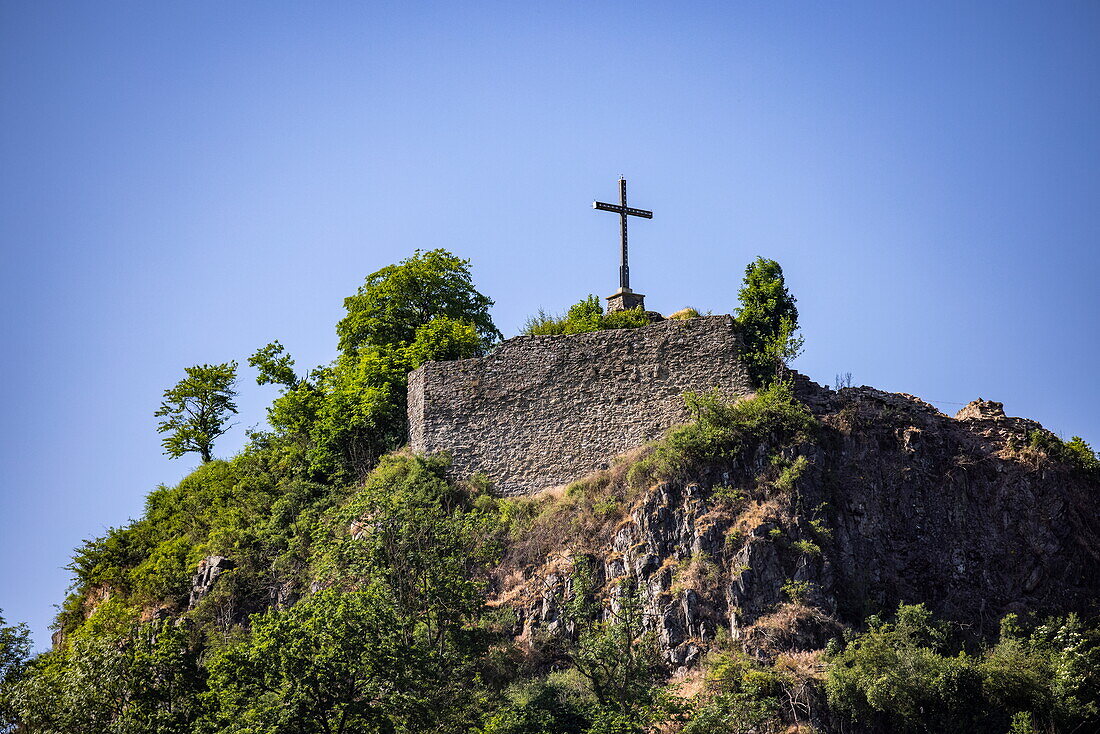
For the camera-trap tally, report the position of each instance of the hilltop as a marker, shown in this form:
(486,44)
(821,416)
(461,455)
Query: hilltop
(768,563)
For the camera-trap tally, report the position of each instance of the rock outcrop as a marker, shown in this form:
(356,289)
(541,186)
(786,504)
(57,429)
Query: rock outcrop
(210,568)
(891,502)
(981,410)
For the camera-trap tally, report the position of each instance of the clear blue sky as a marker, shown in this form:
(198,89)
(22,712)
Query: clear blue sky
(184,182)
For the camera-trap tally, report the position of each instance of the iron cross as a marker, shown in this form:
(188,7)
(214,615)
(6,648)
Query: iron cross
(623,211)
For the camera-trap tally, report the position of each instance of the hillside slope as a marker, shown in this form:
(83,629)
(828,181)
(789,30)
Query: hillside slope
(793,537)
(734,576)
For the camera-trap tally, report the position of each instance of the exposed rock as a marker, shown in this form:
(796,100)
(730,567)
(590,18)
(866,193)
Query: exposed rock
(210,568)
(981,410)
(283,594)
(899,503)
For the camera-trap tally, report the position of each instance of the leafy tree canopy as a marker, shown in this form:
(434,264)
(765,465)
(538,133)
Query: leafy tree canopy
(907,674)
(336,422)
(274,365)
(195,411)
(768,319)
(15,648)
(398,299)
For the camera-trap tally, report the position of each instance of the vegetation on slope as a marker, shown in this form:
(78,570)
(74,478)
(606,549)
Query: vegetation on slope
(358,596)
(912,674)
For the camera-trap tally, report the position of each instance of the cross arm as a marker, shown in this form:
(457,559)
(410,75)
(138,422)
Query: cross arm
(619,209)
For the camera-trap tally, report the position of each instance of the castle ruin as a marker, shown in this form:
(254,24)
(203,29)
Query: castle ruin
(541,411)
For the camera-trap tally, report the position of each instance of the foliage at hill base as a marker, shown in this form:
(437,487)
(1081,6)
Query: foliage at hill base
(400,635)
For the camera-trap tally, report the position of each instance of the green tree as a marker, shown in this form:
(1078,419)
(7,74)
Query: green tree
(768,319)
(275,366)
(397,300)
(1080,453)
(113,676)
(197,408)
(616,655)
(1049,675)
(362,415)
(340,419)
(901,675)
(906,675)
(332,663)
(392,643)
(740,696)
(15,648)
(418,534)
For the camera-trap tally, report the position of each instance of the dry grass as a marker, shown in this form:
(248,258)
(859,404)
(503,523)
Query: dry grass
(697,573)
(582,516)
(786,617)
(803,665)
(1030,456)
(791,627)
(757,513)
(688,684)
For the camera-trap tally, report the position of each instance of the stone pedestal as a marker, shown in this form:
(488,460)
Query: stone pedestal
(624,299)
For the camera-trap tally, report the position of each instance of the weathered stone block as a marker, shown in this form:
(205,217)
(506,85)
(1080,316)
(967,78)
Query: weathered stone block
(981,410)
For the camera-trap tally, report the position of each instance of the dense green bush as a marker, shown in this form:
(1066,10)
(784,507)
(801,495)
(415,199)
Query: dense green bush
(583,316)
(741,697)
(113,676)
(557,703)
(15,649)
(1075,452)
(768,320)
(909,675)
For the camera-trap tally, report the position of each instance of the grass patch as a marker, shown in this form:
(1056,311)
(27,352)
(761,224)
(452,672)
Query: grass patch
(697,572)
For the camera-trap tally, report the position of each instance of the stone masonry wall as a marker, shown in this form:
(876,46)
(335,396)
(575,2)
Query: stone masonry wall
(541,411)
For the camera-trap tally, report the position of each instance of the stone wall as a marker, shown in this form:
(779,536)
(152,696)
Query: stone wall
(541,411)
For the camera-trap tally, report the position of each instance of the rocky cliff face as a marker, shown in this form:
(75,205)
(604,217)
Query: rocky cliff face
(891,501)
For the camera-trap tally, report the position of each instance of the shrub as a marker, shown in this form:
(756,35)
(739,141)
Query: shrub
(807,547)
(1075,452)
(798,591)
(725,495)
(1081,454)
(791,474)
(741,697)
(722,430)
(898,673)
(584,316)
(768,319)
(558,702)
(905,676)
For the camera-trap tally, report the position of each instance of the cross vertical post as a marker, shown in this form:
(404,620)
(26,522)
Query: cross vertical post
(624,263)
(624,298)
